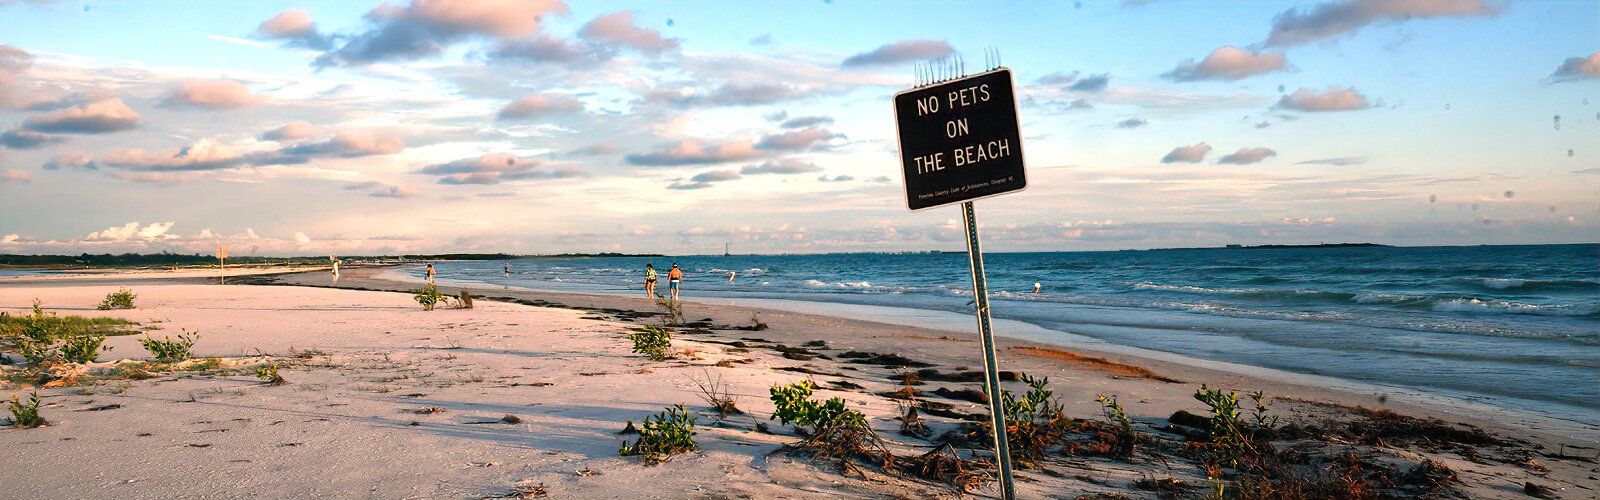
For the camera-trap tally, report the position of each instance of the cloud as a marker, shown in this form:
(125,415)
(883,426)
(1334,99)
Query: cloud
(1132,123)
(13,175)
(806,122)
(296,27)
(1332,99)
(99,117)
(762,39)
(426,27)
(692,152)
(604,148)
(546,48)
(1577,69)
(796,140)
(133,230)
(28,139)
(1228,63)
(1336,19)
(351,144)
(70,160)
(1338,162)
(1587,171)
(901,52)
(836,178)
(539,105)
(301,238)
(212,94)
(617,29)
(782,167)
(1246,156)
(1071,82)
(705,179)
(204,154)
(1187,154)
(13,62)
(732,94)
(394,192)
(290,131)
(494,168)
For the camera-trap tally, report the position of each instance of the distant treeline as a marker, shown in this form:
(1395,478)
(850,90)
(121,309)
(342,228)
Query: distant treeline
(174,259)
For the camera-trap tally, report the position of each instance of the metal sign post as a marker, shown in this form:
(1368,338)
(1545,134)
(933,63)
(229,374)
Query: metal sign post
(991,366)
(960,140)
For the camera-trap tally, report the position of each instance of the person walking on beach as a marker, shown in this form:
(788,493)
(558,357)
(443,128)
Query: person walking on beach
(674,278)
(650,280)
(430,273)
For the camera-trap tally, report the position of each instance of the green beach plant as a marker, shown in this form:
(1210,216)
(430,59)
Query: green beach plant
(654,341)
(663,435)
(120,299)
(167,350)
(269,374)
(1231,440)
(82,349)
(837,432)
(26,415)
(1123,427)
(428,296)
(1034,421)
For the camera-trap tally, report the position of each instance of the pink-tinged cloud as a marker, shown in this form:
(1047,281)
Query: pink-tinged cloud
(27,139)
(604,148)
(426,27)
(296,27)
(1336,19)
(204,154)
(781,167)
(12,175)
(1577,69)
(1246,156)
(495,168)
(212,94)
(902,52)
(1187,154)
(13,61)
(1228,63)
(290,131)
(797,140)
(352,144)
(395,192)
(1332,99)
(706,179)
(71,160)
(99,117)
(617,29)
(692,152)
(539,105)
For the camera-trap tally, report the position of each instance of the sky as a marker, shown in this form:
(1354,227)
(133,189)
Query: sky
(542,126)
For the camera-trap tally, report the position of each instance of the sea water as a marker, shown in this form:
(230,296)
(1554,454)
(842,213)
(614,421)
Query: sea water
(1511,326)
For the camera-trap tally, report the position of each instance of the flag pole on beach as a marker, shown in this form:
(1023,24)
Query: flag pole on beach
(960,140)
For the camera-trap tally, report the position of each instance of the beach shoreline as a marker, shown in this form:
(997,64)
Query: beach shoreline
(558,335)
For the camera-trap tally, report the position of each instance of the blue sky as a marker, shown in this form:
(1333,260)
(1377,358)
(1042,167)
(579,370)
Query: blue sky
(543,126)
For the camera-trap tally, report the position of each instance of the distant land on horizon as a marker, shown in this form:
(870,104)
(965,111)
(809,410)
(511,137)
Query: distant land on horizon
(174,259)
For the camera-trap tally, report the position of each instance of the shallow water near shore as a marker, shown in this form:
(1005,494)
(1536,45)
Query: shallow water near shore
(1516,327)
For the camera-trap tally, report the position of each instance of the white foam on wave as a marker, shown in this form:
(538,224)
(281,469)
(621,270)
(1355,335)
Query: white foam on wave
(1507,307)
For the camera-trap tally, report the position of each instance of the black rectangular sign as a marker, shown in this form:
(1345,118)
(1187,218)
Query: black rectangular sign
(960,140)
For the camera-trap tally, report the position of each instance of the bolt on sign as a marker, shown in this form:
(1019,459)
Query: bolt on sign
(960,140)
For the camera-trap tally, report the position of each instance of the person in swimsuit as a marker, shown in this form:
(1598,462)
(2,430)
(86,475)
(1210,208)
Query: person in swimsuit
(430,273)
(508,269)
(674,278)
(650,280)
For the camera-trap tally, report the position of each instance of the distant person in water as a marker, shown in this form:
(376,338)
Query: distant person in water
(650,280)
(508,269)
(674,278)
(731,275)
(430,273)
(1036,287)
(335,268)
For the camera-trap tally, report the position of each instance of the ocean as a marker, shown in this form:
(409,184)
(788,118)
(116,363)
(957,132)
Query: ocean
(1516,327)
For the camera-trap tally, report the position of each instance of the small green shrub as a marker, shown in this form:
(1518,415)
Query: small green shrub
(26,415)
(120,299)
(1123,427)
(82,349)
(663,435)
(653,341)
(1034,422)
(837,432)
(167,350)
(1232,440)
(269,374)
(428,296)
